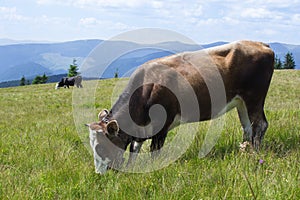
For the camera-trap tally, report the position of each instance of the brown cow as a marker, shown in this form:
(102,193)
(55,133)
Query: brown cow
(190,86)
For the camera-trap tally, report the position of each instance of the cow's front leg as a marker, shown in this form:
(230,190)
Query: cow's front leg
(134,150)
(157,143)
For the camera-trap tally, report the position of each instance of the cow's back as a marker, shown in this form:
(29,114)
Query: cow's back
(241,68)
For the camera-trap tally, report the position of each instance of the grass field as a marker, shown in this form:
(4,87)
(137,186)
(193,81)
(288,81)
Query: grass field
(42,156)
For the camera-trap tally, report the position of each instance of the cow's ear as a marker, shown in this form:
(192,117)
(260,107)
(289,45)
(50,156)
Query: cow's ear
(112,127)
(102,114)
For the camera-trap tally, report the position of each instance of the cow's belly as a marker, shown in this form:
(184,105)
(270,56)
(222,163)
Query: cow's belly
(205,114)
(176,122)
(236,101)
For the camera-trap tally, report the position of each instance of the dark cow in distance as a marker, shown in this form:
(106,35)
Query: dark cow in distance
(69,81)
(245,68)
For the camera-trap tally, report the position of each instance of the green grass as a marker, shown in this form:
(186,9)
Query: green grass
(43,157)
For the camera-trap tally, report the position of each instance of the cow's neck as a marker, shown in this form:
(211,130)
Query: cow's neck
(119,141)
(124,137)
(117,113)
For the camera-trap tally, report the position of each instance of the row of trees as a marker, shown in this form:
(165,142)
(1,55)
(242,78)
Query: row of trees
(37,80)
(288,63)
(73,71)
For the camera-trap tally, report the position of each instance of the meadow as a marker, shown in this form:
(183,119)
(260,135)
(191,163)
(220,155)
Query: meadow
(43,157)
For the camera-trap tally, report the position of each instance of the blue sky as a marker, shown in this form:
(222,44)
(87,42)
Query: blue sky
(203,21)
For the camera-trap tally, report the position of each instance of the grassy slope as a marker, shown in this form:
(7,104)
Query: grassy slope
(42,157)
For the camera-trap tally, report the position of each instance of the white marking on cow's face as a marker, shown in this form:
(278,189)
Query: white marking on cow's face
(101,164)
(56,86)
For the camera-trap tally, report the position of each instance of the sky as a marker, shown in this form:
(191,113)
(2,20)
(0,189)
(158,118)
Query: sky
(204,21)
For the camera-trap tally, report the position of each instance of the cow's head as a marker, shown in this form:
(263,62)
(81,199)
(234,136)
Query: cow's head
(107,146)
(60,84)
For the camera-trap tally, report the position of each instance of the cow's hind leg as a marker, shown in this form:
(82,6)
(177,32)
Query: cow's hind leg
(254,123)
(259,126)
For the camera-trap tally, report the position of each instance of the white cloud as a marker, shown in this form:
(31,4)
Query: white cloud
(10,13)
(121,26)
(230,20)
(105,3)
(54,2)
(274,3)
(94,23)
(199,19)
(49,21)
(209,22)
(257,13)
(266,31)
(192,11)
(157,4)
(100,3)
(296,19)
(265,14)
(88,21)
(198,11)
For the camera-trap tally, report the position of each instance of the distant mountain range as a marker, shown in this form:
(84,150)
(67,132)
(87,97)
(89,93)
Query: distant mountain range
(20,58)
(6,41)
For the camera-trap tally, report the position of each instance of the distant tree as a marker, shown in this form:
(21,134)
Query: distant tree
(289,62)
(278,63)
(37,80)
(44,78)
(28,82)
(40,79)
(22,81)
(73,70)
(116,73)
